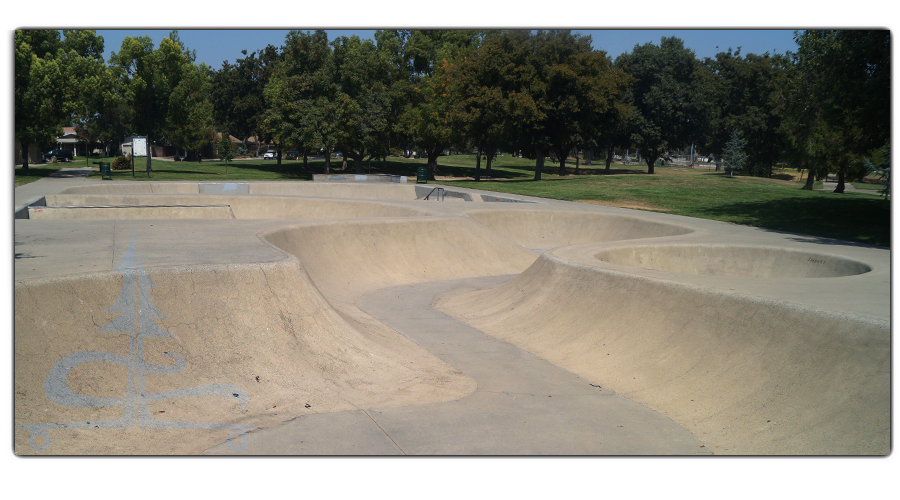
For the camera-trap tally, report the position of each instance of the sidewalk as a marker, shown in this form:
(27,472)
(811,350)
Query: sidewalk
(830,185)
(52,184)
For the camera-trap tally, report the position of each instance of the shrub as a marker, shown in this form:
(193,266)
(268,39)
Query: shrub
(122,163)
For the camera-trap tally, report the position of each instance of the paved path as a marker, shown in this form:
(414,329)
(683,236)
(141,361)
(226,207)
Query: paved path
(52,184)
(523,405)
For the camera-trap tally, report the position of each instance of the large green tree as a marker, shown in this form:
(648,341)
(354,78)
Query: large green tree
(362,99)
(300,94)
(237,92)
(667,110)
(494,106)
(40,83)
(839,95)
(189,122)
(745,94)
(431,98)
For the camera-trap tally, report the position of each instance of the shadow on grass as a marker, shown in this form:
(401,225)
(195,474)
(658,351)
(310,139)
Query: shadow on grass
(819,219)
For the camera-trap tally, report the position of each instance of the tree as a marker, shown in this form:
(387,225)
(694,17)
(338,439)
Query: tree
(237,92)
(734,155)
(840,95)
(580,88)
(40,88)
(362,100)
(745,93)
(882,167)
(665,111)
(426,119)
(189,121)
(492,108)
(299,94)
(225,148)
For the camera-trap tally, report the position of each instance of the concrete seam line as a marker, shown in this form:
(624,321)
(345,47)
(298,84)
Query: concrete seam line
(384,431)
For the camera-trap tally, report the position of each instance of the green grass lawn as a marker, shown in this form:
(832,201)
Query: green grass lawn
(773,204)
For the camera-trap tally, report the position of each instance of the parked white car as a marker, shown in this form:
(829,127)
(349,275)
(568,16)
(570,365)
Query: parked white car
(270,155)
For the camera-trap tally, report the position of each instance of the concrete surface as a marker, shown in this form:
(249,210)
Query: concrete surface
(315,301)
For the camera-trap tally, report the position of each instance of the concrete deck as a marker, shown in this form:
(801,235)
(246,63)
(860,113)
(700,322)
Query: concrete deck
(605,330)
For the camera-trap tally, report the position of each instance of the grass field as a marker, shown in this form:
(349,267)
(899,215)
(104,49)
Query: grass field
(775,204)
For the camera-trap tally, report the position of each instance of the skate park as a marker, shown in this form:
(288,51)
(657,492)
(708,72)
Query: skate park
(356,318)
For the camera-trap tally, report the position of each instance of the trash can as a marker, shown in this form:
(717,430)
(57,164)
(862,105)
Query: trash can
(105,170)
(422,175)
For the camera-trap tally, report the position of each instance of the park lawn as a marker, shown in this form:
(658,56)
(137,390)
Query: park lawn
(765,203)
(34,173)
(773,204)
(212,171)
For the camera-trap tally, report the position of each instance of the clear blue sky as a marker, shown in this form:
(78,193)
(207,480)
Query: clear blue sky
(216,45)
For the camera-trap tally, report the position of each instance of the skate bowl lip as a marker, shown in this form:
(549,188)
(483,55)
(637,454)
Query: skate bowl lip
(514,223)
(732,261)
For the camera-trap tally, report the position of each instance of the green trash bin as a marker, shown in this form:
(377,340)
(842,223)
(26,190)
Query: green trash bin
(105,170)
(422,175)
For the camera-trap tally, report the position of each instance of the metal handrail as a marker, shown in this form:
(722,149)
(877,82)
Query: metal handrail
(440,195)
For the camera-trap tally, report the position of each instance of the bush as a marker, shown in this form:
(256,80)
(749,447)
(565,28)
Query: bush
(122,163)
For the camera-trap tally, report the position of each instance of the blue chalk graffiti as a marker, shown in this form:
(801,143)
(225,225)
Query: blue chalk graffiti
(137,313)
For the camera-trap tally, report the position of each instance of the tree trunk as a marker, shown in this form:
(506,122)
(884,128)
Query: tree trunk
(357,163)
(651,163)
(588,156)
(609,157)
(490,157)
(576,162)
(840,185)
(539,162)
(478,162)
(278,160)
(327,160)
(343,163)
(433,154)
(305,159)
(562,162)
(432,166)
(809,183)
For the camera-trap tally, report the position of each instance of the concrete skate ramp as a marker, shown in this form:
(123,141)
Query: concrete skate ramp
(263,328)
(347,260)
(745,375)
(243,206)
(734,261)
(330,190)
(550,229)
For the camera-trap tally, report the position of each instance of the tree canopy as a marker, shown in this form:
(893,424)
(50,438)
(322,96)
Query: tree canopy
(535,93)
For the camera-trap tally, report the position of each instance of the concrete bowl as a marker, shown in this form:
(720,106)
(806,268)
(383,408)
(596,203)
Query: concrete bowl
(543,229)
(734,261)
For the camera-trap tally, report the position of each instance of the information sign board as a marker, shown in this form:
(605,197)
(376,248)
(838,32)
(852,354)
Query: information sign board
(139,146)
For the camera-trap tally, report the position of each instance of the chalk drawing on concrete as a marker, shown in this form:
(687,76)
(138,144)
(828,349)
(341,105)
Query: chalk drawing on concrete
(137,313)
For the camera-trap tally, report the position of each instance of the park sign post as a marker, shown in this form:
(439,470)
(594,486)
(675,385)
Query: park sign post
(140,147)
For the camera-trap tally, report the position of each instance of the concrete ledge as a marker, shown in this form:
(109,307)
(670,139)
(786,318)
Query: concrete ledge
(359,178)
(123,212)
(21,212)
(223,188)
(504,199)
